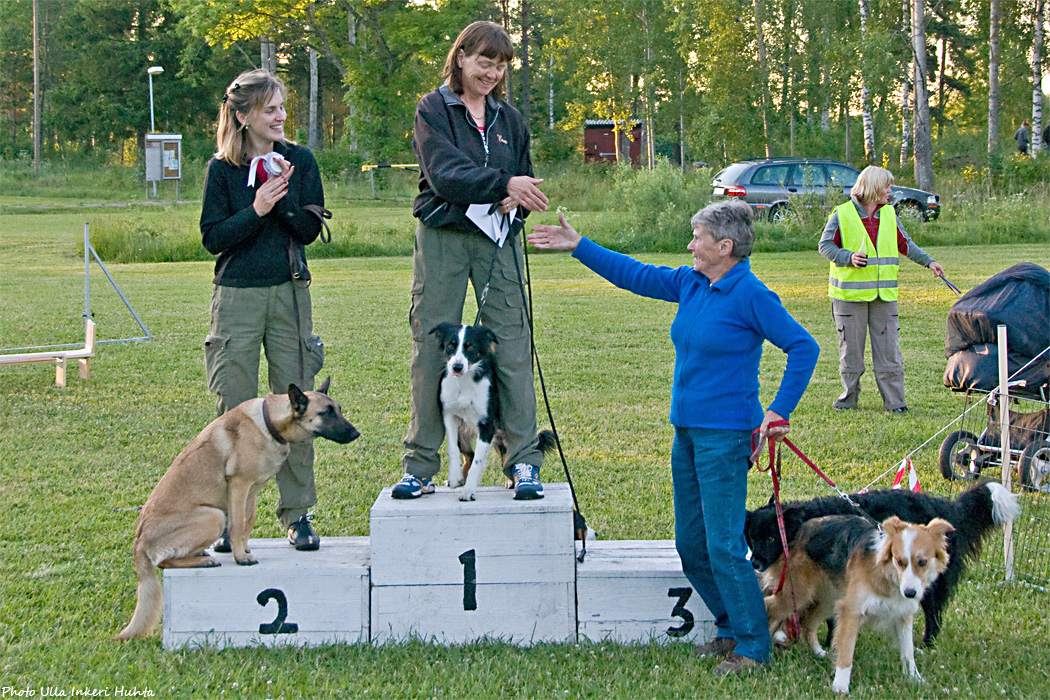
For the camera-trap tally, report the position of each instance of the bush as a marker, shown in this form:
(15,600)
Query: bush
(657,205)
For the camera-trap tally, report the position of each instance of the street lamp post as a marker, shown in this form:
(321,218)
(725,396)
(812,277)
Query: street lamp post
(153,70)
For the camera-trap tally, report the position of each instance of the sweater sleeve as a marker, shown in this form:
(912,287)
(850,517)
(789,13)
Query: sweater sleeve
(653,281)
(221,228)
(906,246)
(305,188)
(451,173)
(828,246)
(774,323)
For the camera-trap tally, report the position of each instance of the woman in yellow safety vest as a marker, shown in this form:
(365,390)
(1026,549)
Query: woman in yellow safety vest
(863,239)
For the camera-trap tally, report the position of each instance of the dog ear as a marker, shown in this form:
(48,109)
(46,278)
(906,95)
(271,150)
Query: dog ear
(298,400)
(324,387)
(939,527)
(893,525)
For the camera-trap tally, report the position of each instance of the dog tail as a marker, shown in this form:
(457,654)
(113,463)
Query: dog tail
(1004,504)
(547,442)
(978,511)
(150,603)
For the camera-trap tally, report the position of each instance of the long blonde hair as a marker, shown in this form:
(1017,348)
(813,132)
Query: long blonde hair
(249,91)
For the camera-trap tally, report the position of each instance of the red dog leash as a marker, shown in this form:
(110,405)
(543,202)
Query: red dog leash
(794,627)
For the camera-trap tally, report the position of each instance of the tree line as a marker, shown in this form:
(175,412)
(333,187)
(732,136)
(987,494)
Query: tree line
(902,83)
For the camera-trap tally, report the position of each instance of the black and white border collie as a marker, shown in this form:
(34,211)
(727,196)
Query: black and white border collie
(470,405)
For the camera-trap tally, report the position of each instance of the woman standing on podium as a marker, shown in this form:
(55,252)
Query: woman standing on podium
(472,148)
(255,220)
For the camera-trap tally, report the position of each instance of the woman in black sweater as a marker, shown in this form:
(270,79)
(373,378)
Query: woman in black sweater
(254,219)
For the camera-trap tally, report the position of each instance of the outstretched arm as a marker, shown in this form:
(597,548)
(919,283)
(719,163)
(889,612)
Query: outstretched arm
(560,237)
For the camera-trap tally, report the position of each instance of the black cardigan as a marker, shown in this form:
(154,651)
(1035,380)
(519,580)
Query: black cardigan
(252,250)
(454,169)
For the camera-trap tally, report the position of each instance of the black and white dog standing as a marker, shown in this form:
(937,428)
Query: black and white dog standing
(469,402)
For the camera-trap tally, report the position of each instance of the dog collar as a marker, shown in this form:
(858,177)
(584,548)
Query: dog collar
(270,426)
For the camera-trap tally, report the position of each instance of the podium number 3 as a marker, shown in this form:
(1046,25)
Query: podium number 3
(470,579)
(278,626)
(679,610)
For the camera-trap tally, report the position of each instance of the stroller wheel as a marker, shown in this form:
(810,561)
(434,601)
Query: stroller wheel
(1035,466)
(960,456)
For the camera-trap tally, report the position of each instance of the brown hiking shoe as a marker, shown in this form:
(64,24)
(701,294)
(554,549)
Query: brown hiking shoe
(736,664)
(719,647)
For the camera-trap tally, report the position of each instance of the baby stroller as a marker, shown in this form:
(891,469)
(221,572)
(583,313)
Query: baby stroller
(1018,297)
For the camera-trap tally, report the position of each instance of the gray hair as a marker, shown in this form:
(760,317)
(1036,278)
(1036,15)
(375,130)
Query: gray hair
(728,219)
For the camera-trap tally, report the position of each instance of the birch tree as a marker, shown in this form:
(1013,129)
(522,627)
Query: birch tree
(993,77)
(1037,79)
(923,142)
(865,86)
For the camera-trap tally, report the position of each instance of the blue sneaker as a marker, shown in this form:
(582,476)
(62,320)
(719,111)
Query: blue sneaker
(412,487)
(527,484)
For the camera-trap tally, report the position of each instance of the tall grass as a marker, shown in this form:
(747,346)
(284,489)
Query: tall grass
(631,210)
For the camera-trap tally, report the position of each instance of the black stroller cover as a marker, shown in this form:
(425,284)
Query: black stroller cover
(1018,297)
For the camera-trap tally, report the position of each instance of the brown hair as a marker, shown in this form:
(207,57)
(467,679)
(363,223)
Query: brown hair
(487,39)
(249,91)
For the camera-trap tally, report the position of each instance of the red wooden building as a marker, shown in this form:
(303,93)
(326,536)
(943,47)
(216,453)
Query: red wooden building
(599,141)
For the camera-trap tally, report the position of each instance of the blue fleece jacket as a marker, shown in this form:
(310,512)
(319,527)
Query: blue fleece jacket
(717,335)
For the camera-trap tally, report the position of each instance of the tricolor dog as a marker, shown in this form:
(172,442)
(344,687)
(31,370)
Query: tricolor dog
(469,403)
(213,484)
(844,565)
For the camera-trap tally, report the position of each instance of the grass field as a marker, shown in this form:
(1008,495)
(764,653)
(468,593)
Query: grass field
(73,460)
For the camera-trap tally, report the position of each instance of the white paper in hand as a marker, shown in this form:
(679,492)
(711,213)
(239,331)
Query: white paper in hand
(496,225)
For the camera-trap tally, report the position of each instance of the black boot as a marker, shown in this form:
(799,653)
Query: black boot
(301,535)
(222,545)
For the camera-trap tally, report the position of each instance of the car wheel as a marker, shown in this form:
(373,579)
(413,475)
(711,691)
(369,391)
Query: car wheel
(959,457)
(910,211)
(779,214)
(1035,466)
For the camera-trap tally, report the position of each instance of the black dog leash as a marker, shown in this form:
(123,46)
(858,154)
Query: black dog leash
(516,225)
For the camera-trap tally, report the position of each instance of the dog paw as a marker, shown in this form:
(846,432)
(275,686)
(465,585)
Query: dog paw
(454,483)
(209,563)
(464,495)
(247,560)
(843,689)
(820,652)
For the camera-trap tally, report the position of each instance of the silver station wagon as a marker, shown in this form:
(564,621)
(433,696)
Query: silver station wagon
(773,185)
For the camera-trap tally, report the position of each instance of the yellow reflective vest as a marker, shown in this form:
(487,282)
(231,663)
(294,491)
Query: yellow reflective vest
(878,279)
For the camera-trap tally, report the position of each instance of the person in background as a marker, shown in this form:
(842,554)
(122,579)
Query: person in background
(254,219)
(472,148)
(1021,137)
(725,314)
(863,240)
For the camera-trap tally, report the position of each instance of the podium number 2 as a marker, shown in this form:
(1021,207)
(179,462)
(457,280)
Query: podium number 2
(278,626)
(470,579)
(679,611)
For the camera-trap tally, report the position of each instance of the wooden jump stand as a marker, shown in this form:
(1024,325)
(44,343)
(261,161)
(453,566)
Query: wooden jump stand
(62,354)
(60,357)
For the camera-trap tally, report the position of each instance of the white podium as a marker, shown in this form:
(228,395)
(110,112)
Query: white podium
(635,591)
(450,571)
(289,597)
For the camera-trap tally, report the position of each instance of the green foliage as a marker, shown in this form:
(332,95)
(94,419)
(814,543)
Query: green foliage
(657,205)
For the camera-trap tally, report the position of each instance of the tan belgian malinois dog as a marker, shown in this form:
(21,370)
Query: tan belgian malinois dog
(213,484)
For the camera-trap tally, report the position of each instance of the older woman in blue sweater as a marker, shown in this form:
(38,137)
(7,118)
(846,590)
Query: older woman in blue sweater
(724,315)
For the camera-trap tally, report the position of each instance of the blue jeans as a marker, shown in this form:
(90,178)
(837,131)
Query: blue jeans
(709,471)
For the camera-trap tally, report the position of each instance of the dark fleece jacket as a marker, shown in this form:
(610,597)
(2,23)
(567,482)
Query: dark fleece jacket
(252,250)
(457,167)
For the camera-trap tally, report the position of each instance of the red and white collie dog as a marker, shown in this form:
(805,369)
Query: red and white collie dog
(866,576)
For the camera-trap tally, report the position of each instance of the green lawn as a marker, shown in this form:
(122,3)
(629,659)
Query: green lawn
(73,460)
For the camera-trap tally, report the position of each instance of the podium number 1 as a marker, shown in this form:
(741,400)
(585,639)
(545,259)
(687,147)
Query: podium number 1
(470,579)
(679,610)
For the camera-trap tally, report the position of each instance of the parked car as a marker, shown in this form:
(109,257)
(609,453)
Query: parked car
(770,184)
